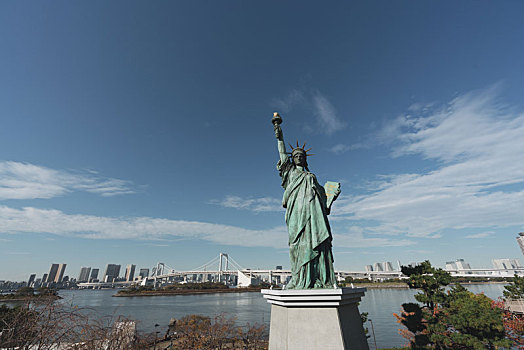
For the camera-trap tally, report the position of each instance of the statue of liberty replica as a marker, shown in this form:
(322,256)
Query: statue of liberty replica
(311,312)
(307,206)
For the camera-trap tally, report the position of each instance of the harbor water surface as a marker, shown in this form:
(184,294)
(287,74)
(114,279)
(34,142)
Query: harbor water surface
(248,307)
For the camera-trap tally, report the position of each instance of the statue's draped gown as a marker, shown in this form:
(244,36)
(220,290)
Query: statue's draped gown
(308,227)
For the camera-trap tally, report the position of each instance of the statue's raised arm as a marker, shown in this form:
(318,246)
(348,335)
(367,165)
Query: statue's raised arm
(277,120)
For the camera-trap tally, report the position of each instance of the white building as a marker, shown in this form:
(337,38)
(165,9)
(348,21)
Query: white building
(507,264)
(388,266)
(458,264)
(520,241)
(247,279)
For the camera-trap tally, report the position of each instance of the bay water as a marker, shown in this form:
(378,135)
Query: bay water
(247,307)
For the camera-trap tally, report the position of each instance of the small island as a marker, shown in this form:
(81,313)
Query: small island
(29,294)
(186,289)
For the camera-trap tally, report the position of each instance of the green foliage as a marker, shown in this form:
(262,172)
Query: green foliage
(467,279)
(516,289)
(429,280)
(364,317)
(457,319)
(468,321)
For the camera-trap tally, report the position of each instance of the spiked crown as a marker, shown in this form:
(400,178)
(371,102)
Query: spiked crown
(298,149)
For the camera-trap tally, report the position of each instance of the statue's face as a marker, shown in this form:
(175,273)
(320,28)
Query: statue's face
(299,158)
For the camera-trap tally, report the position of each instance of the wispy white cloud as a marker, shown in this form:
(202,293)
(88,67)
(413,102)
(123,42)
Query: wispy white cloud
(326,121)
(342,148)
(355,238)
(35,220)
(288,102)
(477,181)
(252,204)
(327,117)
(480,235)
(28,181)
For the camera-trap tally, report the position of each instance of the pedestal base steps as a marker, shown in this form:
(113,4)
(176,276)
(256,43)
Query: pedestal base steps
(316,319)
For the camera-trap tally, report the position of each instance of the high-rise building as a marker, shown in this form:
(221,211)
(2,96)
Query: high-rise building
(144,273)
(458,264)
(94,275)
(388,266)
(520,241)
(507,264)
(130,272)
(52,273)
(31,279)
(112,272)
(84,274)
(44,278)
(377,267)
(369,268)
(60,273)
(462,265)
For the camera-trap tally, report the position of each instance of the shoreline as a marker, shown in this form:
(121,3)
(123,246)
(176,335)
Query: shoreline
(31,298)
(185,292)
(244,290)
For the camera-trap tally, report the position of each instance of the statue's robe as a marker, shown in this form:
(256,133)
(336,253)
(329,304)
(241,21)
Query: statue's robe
(308,227)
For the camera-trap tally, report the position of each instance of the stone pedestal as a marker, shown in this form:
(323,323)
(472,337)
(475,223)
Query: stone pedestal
(315,319)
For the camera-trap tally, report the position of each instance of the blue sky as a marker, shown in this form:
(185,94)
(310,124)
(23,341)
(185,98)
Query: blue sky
(137,132)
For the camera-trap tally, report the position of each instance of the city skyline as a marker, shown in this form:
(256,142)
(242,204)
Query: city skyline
(143,133)
(86,274)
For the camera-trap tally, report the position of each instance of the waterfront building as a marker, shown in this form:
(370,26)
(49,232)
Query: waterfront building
(52,273)
(520,241)
(94,275)
(450,265)
(369,268)
(247,279)
(130,272)
(507,264)
(144,273)
(60,273)
(84,274)
(462,265)
(112,272)
(377,267)
(388,266)
(31,279)
(44,278)
(458,264)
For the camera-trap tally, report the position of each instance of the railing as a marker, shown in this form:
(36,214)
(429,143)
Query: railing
(515,305)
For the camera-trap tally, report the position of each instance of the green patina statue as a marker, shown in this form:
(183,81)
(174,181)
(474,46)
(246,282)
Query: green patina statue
(307,206)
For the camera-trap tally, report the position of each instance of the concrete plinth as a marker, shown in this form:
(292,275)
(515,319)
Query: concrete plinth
(316,319)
